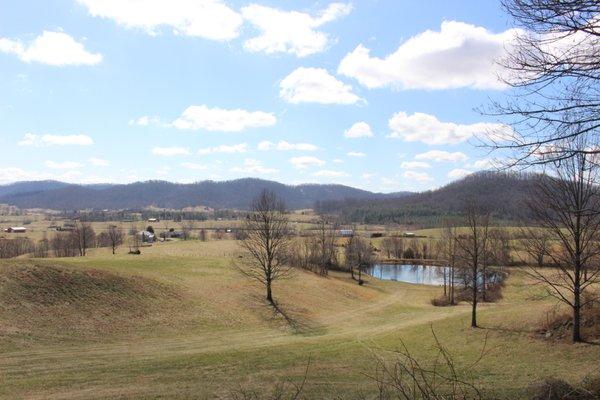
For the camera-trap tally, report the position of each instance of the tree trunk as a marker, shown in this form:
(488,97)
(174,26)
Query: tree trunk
(577,311)
(474,310)
(269,293)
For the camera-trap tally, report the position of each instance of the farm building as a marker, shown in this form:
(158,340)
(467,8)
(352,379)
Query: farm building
(153,220)
(346,232)
(16,229)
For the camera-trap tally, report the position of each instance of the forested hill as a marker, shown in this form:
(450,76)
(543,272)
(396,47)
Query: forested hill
(503,194)
(235,194)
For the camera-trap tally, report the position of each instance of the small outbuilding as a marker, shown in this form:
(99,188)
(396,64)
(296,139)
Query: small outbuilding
(346,232)
(16,229)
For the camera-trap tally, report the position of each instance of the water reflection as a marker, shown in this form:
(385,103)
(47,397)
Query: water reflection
(420,274)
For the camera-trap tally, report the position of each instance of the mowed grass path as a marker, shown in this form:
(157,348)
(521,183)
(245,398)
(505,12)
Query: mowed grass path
(218,334)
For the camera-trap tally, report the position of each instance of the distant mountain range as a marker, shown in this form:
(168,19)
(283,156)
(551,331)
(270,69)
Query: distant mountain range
(235,194)
(502,193)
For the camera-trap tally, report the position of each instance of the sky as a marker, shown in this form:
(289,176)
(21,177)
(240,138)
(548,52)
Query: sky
(377,94)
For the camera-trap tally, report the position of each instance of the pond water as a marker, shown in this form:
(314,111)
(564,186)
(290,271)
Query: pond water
(420,274)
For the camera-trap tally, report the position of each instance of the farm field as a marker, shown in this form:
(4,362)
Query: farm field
(180,321)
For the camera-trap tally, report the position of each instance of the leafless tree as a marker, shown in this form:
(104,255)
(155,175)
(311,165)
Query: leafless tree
(83,236)
(536,243)
(566,204)
(187,227)
(267,241)
(325,239)
(471,248)
(449,251)
(202,235)
(553,65)
(115,237)
(359,256)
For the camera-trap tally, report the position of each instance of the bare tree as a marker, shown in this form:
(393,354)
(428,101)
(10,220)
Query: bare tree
(359,256)
(83,236)
(187,227)
(115,237)
(449,251)
(266,241)
(202,235)
(567,206)
(553,64)
(536,243)
(472,246)
(325,238)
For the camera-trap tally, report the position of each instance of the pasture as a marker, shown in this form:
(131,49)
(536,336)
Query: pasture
(180,321)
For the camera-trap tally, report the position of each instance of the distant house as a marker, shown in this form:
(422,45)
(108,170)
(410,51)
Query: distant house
(153,220)
(346,232)
(16,229)
(408,234)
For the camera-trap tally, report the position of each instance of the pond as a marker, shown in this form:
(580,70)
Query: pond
(420,274)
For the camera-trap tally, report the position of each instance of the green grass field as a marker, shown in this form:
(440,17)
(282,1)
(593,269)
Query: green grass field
(179,321)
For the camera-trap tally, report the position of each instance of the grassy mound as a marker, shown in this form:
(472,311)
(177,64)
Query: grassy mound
(56,302)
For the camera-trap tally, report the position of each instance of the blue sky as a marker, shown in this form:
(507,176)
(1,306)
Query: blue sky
(376,94)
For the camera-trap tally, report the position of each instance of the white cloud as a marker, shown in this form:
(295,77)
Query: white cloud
(253,166)
(458,55)
(221,120)
(290,32)
(358,130)
(355,154)
(484,163)
(51,48)
(304,162)
(62,164)
(170,151)
(414,165)
(426,128)
(236,148)
(441,156)
(417,176)
(31,139)
(338,160)
(98,162)
(330,174)
(209,19)
(285,146)
(367,176)
(458,173)
(145,120)
(194,166)
(315,85)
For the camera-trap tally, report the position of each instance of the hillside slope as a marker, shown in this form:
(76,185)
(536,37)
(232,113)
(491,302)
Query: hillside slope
(503,194)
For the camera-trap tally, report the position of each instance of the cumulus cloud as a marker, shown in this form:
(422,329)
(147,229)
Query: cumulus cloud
(330,173)
(315,85)
(253,166)
(209,19)
(414,165)
(222,120)
(426,128)
(442,156)
(170,151)
(484,163)
(458,173)
(145,120)
(31,139)
(98,162)
(291,32)
(51,48)
(417,176)
(285,146)
(355,154)
(228,149)
(304,162)
(62,164)
(458,55)
(358,130)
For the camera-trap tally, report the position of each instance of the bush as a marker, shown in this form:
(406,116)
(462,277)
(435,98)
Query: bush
(441,301)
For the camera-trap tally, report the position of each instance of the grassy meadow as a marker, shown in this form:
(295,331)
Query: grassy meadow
(180,321)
